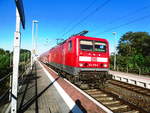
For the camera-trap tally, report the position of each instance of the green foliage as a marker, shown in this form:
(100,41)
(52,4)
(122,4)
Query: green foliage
(24,55)
(2,51)
(6,65)
(6,60)
(134,51)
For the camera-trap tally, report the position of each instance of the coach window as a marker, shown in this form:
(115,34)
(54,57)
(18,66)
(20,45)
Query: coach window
(70,45)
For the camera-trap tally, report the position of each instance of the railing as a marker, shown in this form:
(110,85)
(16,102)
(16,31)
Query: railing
(141,71)
(5,83)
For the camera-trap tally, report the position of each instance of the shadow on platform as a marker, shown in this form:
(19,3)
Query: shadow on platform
(25,106)
(30,94)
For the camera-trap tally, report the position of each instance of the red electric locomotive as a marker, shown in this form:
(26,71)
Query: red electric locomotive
(80,55)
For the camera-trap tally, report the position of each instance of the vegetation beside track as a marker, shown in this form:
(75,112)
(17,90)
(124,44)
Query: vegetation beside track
(6,66)
(6,60)
(133,53)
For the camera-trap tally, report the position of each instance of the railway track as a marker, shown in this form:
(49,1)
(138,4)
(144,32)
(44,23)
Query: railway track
(112,102)
(134,88)
(121,97)
(118,96)
(135,95)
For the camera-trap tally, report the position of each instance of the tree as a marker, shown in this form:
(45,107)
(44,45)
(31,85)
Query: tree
(5,60)
(134,50)
(24,55)
(2,52)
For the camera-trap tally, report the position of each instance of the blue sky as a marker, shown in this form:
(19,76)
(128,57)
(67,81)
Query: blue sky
(56,17)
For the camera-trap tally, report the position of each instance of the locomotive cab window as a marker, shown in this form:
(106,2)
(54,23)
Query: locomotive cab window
(92,45)
(70,46)
(99,46)
(86,45)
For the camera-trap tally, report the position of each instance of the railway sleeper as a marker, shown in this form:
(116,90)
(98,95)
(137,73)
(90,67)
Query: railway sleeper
(91,90)
(94,92)
(110,102)
(117,107)
(99,95)
(125,110)
(132,111)
(104,98)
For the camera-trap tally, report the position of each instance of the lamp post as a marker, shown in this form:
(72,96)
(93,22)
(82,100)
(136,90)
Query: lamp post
(36,38)
(33,41)
(114,33)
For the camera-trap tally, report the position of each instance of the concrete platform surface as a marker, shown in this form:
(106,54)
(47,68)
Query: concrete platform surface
(38,95)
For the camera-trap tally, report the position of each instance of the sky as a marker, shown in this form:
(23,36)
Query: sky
(62,18)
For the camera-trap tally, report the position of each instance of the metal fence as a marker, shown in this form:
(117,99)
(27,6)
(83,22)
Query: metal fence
(5,86)
(141,71)
(5,83)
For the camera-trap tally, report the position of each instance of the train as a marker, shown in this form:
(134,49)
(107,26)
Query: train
(80,57)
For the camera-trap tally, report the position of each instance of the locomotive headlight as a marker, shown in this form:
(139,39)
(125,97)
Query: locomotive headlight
(104,65)
(81,64)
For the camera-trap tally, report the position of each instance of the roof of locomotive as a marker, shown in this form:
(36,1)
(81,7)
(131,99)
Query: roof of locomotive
(81,37)
(92,38)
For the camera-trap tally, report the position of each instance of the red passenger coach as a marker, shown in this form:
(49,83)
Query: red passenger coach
(44,57)
(79,54)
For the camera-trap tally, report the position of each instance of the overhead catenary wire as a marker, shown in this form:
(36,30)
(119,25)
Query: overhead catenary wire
(127,23)
(87,16)
(130,14)
(83,11)
(127,15)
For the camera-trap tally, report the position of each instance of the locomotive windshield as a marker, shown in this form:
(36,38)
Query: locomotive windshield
(99,46)
(92,45)
(86,45)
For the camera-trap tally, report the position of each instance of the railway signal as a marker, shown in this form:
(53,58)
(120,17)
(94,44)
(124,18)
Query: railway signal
(20,18)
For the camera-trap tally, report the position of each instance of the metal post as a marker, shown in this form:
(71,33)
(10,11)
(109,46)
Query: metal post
(32,44)
(10,80)
(36,38)
(114,33)
(16,55)
(10,60)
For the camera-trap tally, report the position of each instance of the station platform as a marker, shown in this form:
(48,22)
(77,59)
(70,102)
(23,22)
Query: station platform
(38,94)
(138,80)
(43,91)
